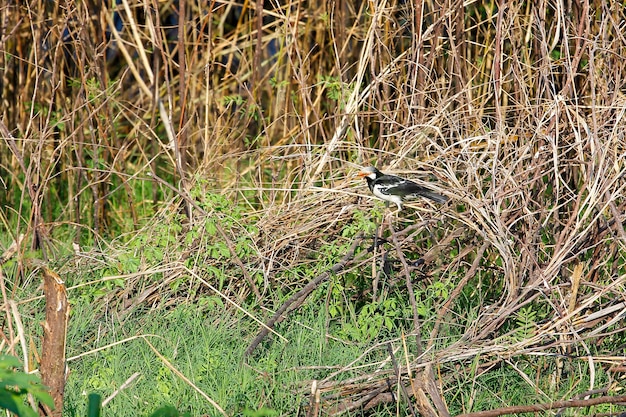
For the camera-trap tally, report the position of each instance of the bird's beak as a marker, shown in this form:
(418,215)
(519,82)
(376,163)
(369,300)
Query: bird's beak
(362,174)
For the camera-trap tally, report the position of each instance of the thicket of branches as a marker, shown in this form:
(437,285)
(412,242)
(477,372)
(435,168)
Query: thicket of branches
(515,108)
(98,98)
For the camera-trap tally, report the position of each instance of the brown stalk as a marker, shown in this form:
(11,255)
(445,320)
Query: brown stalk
(54,339)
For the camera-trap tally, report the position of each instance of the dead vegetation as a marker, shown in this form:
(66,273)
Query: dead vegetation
(514,109)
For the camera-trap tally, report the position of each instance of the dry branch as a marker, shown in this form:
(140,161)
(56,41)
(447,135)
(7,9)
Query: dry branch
(522,409)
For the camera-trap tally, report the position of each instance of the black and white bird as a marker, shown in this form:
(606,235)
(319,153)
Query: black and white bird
(397,190)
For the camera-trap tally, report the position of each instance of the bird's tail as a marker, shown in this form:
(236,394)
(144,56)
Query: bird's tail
(434,196)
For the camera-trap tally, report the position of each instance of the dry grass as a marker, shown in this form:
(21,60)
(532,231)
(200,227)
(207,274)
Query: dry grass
(516,113)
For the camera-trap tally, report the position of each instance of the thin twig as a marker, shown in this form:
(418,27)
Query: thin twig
(122,387)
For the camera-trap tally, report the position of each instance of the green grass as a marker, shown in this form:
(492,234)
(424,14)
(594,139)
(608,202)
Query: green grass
(205,341)
(207,347)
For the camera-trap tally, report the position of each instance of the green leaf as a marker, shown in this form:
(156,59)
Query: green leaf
(16,385)
(94,405)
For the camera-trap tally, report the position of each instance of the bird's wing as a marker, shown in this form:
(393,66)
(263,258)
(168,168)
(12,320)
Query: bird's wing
(406,189)
(393,185)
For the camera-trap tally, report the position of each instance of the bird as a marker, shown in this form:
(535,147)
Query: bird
(395,189)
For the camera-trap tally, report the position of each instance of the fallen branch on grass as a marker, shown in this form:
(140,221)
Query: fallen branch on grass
(298,298)
(520,409)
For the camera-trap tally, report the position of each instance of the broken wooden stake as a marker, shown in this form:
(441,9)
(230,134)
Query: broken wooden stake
(54,336)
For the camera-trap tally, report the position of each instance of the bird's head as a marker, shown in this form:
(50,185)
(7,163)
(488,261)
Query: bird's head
(369,172)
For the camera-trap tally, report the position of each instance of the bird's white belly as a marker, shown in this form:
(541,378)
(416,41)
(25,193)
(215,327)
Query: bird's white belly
(397,200)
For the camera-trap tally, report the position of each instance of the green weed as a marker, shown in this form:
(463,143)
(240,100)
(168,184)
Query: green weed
(17,385)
